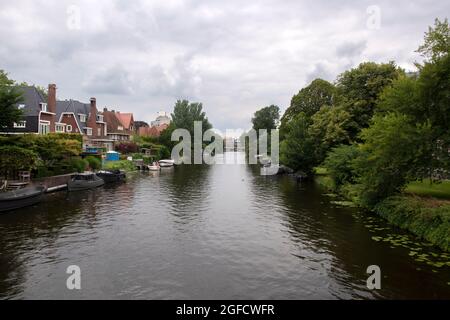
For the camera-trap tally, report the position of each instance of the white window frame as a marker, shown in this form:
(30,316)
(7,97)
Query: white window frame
(100,118)
(82,117)
(43,123)
(88,131)
(20,124)
(43,107)
(69,128)
(21,106)
(59,126)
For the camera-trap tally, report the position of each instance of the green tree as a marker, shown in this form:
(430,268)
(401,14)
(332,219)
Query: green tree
(309,100)
(185,114)
(9,113)
(331,126)
(436,41)
(339,164)
(266,118)
(4,79)
(297,150)
(393,152)
(165,137)
(360,88)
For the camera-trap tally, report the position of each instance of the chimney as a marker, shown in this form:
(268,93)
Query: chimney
(105,109)
(94,105)
(92,120)
(51,99)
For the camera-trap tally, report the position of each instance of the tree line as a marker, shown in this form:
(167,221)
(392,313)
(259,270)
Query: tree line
(376,127)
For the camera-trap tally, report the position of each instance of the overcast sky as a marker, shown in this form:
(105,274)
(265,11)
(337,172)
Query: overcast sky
(141,56)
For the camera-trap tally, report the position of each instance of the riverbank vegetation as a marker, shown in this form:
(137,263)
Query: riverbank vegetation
(44,155)
(378,132)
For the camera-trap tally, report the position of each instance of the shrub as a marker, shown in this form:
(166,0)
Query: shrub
(13,159)
(339,164)
(127,147)
(94,162)
(164,153)
(78,164)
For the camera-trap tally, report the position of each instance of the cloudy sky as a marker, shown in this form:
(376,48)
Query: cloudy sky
(234,56)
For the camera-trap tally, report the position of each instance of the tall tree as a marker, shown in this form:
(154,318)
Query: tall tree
(360,88)
(309,100)
(436,41)
(9,98)
(266,118)
(185,114)
(298,150)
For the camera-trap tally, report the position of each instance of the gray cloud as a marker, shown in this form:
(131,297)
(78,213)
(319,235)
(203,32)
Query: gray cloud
(351,49)
(233,56)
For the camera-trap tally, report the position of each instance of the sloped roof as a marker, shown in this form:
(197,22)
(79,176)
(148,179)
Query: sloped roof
(113,122)
(76,107)
(125,119)
(31,98)
(154,131)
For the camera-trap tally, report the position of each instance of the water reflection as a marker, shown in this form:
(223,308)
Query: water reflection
(203,232)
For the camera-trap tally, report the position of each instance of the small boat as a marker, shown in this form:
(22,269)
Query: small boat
(84,181)
(110,176)
(154,167)
(20,198)
(166,163)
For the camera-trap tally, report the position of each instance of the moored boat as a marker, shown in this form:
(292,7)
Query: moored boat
(110,176)
(166,163)
(154,167)
(84,181)
(20,198)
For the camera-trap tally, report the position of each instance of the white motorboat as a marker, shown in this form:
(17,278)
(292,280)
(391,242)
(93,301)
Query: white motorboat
(166,163)
(154,167)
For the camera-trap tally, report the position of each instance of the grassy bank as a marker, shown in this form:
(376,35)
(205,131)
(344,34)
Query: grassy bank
(119,165)
(424,188)
(423,208)
(426,218)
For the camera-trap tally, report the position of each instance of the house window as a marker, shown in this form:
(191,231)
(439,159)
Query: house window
(20,124)
(21,106)
(43,107)
(99,131)
(100,118)
(69,128)
(120,128)
(59,127)
(82,117)
(89,131)
(44,127)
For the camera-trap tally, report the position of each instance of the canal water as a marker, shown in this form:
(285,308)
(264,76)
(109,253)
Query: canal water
(211,232)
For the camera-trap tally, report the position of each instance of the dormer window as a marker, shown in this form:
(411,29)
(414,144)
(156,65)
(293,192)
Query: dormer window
(43,107)
(120,128)
(21,106)
(82,117)
(100,118)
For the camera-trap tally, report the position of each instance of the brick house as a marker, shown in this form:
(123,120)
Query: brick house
(77,117)
(117,130)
